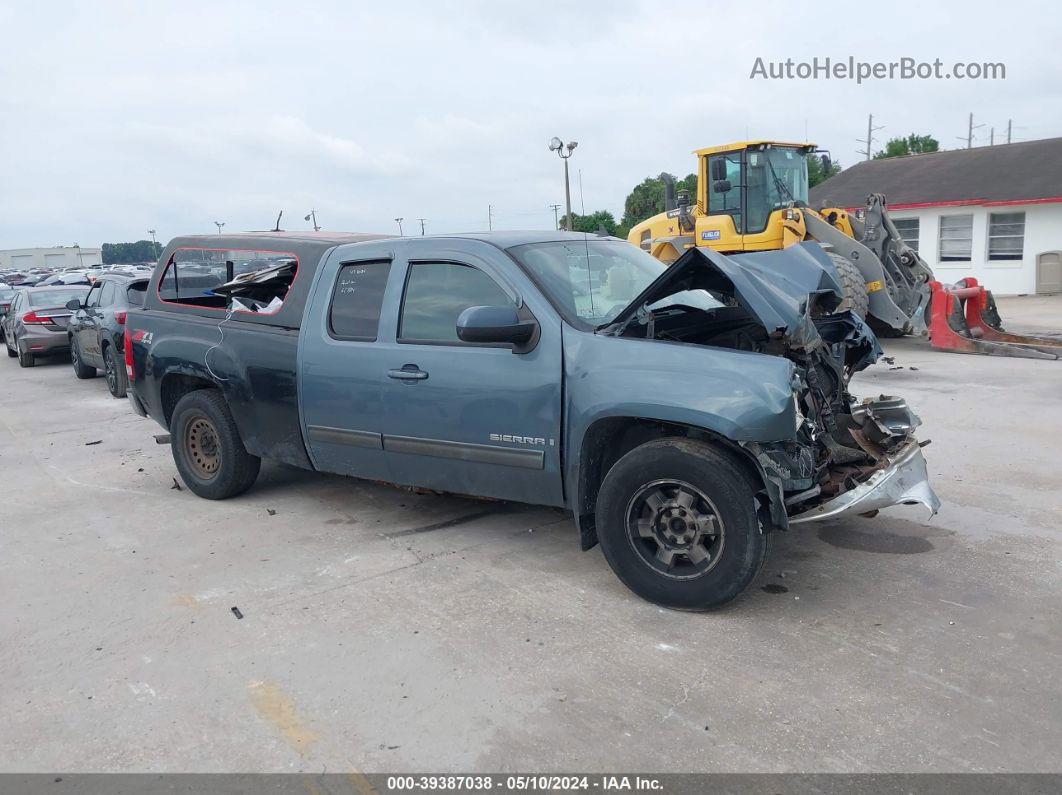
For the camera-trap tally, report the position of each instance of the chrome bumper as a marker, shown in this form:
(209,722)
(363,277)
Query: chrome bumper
(904,482)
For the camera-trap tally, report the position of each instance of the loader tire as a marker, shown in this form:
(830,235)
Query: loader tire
(853,287)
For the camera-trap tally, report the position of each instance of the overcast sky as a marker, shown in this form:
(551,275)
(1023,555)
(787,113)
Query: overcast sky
(120,117)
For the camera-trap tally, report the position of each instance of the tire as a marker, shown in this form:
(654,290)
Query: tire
(26,359)
(81,370)
(700,488)
(117,382)
(10,353)
(207,448)
(853,287)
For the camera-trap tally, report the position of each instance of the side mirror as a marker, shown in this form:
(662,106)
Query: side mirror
(721,186)
(73,304)
(494,324)
(827,164)
(683,198)
(718,169)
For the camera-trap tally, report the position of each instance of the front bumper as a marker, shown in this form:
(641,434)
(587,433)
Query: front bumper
(904,481)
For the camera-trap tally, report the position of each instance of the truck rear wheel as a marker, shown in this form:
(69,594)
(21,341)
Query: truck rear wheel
(677,522)
(207,448)
(853,287)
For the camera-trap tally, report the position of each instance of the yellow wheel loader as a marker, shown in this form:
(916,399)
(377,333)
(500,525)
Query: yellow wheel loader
(752,196)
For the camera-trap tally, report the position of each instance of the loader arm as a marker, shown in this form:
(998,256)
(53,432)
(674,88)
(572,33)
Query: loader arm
(880,285)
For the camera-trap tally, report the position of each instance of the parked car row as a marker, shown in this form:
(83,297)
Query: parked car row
(86,321)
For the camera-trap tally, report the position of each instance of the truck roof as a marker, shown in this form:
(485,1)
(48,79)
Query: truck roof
(309,248)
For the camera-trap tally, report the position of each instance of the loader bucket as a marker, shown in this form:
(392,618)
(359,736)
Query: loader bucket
(963,319)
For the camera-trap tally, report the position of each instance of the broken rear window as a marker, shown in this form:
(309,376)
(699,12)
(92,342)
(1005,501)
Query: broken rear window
(239,280)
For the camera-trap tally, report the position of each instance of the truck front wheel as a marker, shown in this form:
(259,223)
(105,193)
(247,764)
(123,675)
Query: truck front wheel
(207,448)
(677,522)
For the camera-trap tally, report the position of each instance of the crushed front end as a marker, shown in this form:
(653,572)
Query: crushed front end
(846,456)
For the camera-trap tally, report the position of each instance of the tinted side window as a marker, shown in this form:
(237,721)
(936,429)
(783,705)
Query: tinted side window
(356,300)
(94,295)
(134,295)
(109,294)
(437,292)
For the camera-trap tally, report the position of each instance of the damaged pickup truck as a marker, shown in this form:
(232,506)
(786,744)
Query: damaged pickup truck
(682,413)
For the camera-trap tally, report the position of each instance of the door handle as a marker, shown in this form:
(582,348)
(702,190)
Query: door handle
(409,372)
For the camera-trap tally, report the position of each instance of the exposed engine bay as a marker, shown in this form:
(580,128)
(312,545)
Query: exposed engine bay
(846,455)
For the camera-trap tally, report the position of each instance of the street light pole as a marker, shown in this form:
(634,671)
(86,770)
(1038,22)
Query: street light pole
(313,215)
(558,146)
(219,224)
(399,222)
(154,245)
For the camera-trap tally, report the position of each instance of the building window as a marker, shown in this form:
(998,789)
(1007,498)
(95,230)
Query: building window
(956,238)
(1006,236)
(908,229)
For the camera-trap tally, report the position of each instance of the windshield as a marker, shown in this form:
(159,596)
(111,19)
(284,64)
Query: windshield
(591,281)
(57,297)
(775,177)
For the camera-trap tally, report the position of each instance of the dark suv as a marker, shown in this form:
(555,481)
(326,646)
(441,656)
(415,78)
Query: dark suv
(97,329)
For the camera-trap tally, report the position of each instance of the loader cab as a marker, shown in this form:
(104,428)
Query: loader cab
(744,189)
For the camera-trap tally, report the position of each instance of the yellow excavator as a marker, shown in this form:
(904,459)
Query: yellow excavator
(753,196)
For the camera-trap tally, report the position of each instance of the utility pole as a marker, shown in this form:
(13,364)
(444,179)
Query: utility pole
(219,224)
(991,136)
(869,140)
(582,204)
(154,245)
(422,220)
(490,217)
(399,222)
(558,146)
(1008,130)
(969,133)
(556,220)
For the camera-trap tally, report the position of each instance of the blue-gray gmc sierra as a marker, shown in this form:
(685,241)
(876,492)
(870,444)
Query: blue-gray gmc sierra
(683,413)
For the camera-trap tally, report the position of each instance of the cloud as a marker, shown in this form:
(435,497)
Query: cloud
(137,116)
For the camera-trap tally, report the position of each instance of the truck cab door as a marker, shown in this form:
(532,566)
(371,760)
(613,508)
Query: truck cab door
(469,418)
(342,361)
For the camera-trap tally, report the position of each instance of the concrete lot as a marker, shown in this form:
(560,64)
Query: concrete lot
(385,631)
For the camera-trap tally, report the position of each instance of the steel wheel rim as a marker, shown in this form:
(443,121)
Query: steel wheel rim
(674,529)
(201,448)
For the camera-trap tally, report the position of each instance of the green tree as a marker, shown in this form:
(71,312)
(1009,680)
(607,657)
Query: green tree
(126,253)
(591,223)
(911,145)
(647,199)
(817,174)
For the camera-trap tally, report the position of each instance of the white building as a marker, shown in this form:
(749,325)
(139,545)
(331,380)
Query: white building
(23,259)
(992,212)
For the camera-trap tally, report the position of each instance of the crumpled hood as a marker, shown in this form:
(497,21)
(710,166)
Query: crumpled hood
(776,287)
(779,290)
